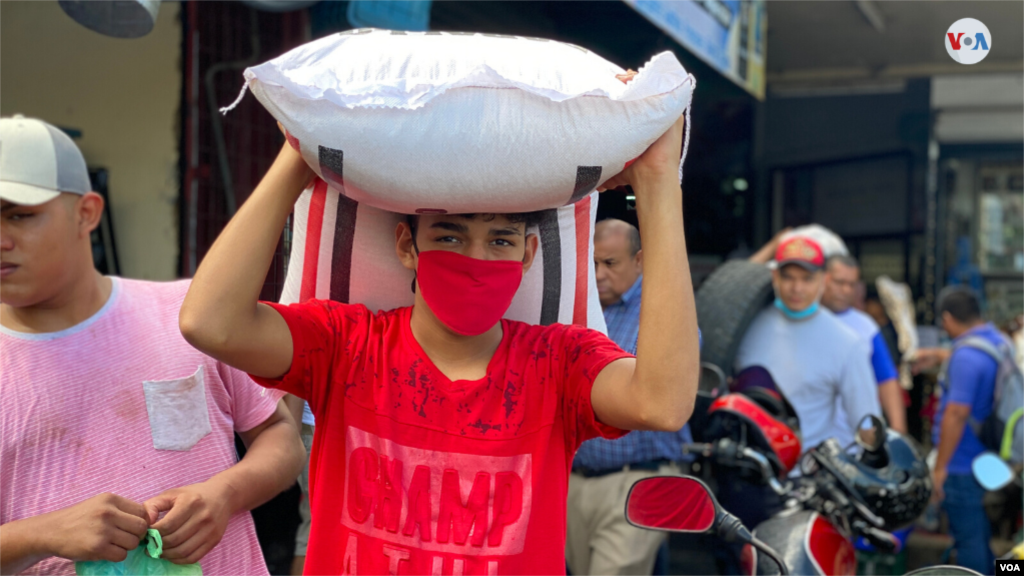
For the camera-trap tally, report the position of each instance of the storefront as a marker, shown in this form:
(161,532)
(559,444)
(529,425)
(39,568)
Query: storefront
(980,188)
(868,127)
(854,160)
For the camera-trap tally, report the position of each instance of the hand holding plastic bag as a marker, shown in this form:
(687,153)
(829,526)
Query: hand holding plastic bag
(143,560)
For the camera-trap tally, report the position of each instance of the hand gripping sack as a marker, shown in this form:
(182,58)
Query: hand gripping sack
(344,250)
(420,122)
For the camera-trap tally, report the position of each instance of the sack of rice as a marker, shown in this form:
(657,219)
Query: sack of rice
(438,122)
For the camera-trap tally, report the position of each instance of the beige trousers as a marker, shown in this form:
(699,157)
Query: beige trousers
(598,538)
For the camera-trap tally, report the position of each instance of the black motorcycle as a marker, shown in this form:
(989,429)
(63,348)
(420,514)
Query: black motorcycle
(685,504)
(751,444)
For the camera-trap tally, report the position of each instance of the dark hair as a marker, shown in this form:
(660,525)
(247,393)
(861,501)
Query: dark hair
(961,303)
(844,259)
(528,218)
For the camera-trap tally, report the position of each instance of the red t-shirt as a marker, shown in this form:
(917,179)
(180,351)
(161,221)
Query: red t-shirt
(412,473)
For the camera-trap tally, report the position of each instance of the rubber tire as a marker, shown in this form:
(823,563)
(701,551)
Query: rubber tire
(727,302)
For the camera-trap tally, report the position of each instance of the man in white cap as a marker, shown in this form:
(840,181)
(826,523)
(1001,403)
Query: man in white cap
(110,423)
(817,362)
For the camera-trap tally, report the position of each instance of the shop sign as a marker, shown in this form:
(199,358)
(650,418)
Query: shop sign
(730,35)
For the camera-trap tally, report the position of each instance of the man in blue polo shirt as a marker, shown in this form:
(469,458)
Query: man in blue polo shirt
(598,539)
(968,390)
(842,274)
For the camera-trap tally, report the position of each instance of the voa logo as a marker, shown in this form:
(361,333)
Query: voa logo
(1009,567)
(968,41)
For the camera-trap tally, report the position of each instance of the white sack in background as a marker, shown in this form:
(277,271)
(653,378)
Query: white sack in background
(419,122)
(830,242)
(344,250)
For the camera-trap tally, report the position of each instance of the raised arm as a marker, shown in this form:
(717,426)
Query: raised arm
(767,252)
(656,391)
(221,315)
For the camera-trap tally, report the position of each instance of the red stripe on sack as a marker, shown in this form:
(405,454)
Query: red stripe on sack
(314,226)
(579,307)
(630,163)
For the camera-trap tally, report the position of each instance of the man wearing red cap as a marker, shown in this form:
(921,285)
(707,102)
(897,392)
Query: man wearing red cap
(814,358)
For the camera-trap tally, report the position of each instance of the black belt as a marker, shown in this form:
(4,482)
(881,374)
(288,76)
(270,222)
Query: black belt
(650,465)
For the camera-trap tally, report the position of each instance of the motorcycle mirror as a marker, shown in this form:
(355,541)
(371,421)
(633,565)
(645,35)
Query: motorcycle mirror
(672,503)
(710,386)
(991,472)
(712,380)
(943,571)
(870,433)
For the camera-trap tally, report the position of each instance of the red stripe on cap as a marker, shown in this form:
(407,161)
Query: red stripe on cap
(579,309)
(314,226)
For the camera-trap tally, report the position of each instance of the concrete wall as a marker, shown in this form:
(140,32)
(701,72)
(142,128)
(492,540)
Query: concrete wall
(124,96)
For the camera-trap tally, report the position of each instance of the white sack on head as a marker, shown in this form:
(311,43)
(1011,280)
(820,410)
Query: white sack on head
(421,122)
(344,250)
(830,242)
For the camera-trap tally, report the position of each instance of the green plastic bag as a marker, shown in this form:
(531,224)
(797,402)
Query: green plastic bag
(143,561)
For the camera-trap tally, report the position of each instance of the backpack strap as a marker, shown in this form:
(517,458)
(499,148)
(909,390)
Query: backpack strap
(979,343)
(983,345)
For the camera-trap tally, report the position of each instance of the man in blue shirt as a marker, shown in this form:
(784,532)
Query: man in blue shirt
(968,390)
(599,540)
(842,274)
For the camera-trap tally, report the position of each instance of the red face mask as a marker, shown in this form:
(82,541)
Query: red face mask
(468,295)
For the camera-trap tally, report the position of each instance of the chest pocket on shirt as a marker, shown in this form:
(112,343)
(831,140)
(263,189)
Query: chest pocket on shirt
(178,417)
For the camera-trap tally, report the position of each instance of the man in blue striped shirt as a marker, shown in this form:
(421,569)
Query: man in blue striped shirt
(599,540)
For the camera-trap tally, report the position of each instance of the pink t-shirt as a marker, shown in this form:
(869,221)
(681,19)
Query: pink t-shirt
(122,403)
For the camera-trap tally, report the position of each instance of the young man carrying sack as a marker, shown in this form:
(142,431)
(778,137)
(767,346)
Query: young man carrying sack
(445,434)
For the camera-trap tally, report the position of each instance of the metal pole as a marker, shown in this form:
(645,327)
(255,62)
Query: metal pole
(931,263)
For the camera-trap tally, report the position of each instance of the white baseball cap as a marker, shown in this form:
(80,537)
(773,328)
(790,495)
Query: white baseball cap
(37,162)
